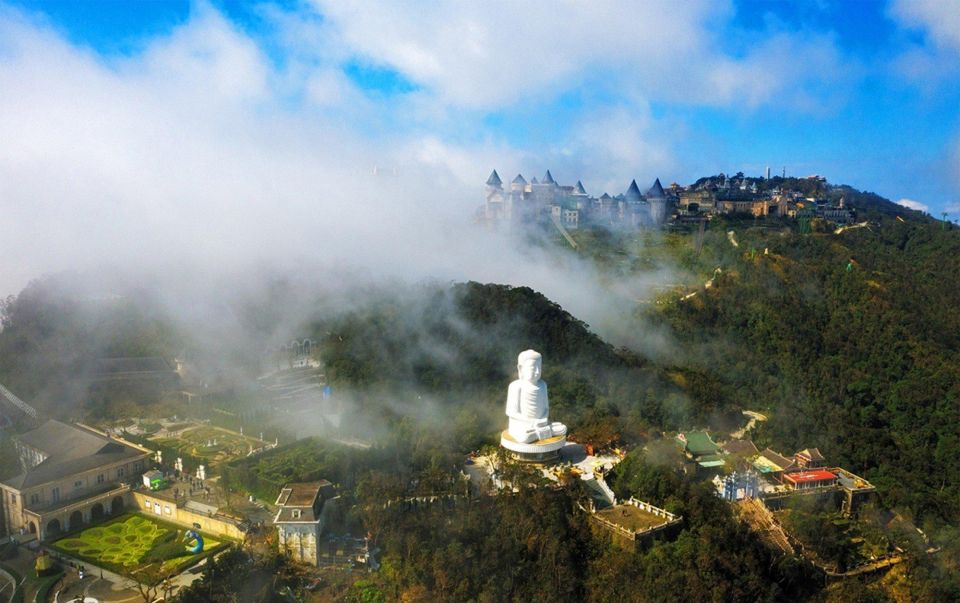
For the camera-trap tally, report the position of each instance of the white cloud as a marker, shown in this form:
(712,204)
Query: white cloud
(915,205)
(191,160)
(939,18)
(493,54)
(936,60)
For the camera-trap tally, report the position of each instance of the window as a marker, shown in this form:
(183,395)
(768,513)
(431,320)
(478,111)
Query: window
(78,484)
(166,509)
(120,471)
(138,466)
(34,499)
(100,479)
(55,494)
(147,504)
(13,499)
(296,513)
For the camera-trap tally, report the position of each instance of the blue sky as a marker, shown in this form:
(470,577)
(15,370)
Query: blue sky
(865,119)
(115,110)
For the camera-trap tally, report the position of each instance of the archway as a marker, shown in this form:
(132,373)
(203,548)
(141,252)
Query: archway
(116,505)
(53,527)
(76,520)
(96,512)
(33,528)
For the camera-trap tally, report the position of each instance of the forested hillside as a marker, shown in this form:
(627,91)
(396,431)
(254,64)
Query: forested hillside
(849,342)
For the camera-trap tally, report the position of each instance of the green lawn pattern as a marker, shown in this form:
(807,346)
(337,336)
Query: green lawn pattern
(123,544)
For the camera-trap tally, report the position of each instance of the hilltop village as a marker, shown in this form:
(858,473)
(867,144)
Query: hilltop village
(571,206)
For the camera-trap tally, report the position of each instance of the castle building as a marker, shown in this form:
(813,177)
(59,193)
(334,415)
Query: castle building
(303,512)
(72,475)
(540,201)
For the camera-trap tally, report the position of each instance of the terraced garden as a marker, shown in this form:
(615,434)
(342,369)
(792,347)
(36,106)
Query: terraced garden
(136,545)
(211,444)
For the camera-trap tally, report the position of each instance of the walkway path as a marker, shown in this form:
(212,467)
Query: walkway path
(754,417)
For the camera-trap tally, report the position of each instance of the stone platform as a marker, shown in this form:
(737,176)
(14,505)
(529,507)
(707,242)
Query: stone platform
(540,451)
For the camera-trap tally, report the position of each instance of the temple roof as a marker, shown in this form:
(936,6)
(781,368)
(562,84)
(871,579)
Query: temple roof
(548,178)
(778,459)
(656,191)
(519,180)
(494,179)
(812,454)
(697,443)
(741,447)
(579,188)
(633,192)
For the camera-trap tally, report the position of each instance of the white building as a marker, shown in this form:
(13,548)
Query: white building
(304,512)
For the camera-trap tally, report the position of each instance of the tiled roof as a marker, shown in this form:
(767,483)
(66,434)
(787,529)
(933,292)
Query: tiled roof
(69,449)
(297,502)
(494,179)
(656,191)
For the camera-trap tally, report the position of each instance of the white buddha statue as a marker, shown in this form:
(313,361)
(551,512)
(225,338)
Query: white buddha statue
(528,405)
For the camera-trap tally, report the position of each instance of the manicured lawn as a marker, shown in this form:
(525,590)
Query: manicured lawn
(133,543)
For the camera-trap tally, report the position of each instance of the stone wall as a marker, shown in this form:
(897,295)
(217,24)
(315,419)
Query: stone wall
(217,524)
(299,541)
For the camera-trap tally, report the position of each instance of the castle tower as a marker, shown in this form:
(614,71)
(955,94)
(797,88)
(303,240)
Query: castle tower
(658,203)
(494,209)
(494,182)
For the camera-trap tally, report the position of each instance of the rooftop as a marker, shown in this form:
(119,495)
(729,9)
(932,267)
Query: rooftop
(740,447)
(697,443)
(803,477)
(297,501)
(812,454)
(68,450)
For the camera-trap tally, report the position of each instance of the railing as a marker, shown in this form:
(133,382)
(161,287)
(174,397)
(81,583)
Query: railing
(9,395)
(80,501)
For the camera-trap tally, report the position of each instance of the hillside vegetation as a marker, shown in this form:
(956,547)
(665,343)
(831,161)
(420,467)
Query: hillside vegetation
(848,342)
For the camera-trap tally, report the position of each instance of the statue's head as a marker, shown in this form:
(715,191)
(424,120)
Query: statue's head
(529,364)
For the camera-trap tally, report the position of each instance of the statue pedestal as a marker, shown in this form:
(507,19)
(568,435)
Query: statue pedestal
(540,451)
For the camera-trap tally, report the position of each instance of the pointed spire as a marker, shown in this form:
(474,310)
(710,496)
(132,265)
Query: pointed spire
(633,193)
(579,188)
(494,179)
(548,178)
(656,191)
(534,181)
(519,180)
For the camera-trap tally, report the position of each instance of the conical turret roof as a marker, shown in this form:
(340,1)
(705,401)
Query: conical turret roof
(656,191)
(534,181)
(519,180)
(634,191)
(548,178)
(579,188)
(494,179)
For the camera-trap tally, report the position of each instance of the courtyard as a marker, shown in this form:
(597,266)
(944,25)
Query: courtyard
(137,546)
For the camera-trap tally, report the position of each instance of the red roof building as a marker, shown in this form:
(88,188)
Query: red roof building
(802,480)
